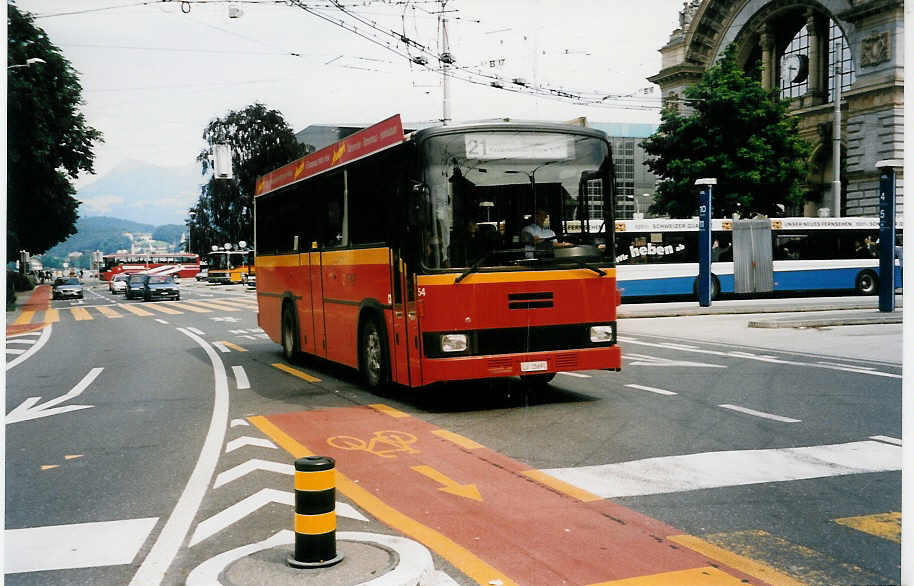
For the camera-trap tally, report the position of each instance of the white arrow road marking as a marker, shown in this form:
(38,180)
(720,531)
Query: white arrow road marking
(735,468)
(645,360)
(248,505)
(761,358)
(42,340)
(252,466)
(415,564)
(85,545)
(246,440)
(241,378)
(29,410)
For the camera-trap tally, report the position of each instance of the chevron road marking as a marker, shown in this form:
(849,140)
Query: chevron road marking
(243,441)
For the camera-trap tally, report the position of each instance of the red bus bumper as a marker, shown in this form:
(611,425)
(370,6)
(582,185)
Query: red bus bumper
(501,365)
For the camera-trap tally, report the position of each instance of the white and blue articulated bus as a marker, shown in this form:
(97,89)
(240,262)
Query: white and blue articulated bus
(659,257)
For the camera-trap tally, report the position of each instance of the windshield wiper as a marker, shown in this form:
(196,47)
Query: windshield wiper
(581,264)
(473,268)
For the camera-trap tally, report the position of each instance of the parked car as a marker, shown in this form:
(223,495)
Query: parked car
(136,286)
(67,287)
(118,283)
(202,275)
(161,287)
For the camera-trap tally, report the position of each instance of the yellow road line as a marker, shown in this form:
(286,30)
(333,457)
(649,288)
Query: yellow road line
(884,525)
(80,313)
(456,438)
(387,410)
(212,305)
(234,347)
(187,306)
(51,316)
(463,559)
(162,309)
(134,309)
(707,576)
(25,318)
(753,568)
(561,486)
(296,372)
(108,311)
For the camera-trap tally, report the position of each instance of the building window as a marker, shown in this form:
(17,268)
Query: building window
(794,81)
(845,61)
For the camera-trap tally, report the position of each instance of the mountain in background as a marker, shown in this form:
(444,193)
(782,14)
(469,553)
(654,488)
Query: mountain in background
(143,193)
(108,235)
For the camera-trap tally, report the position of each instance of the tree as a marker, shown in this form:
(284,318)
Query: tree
(48,140)
(260,141)
(737,132)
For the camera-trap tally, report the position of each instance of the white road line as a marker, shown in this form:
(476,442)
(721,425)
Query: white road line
(163,552)
(760,358)
(761,414)
(884,438)
(243,441)
(42,340)
(196,331)
(14,341)
(84,545)
(238,511)
(734,468)
(251,466)
(576,374)
(161,321)
(840,365)
(237,422)
(14,351)
(222,347)
(652,390)
(241,378)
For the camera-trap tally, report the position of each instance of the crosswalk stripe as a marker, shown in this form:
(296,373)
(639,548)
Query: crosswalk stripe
(80,313)
(108,311)
(134,310)
(187,306)
(25,318)
(163,309)
(51,316)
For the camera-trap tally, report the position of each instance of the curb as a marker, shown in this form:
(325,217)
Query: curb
(891,318)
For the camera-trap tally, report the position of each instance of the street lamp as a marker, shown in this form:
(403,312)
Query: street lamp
(28,63)
(190,231)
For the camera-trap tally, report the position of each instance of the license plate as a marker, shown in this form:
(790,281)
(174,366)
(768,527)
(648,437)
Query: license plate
(533,366)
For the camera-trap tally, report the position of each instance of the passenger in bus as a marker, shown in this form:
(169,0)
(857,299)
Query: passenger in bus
(535,233)
(717,250)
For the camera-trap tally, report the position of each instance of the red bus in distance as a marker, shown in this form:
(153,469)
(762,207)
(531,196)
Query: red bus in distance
(451,253)
(180,264)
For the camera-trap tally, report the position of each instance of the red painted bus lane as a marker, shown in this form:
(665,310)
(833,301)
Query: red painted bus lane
(475,506)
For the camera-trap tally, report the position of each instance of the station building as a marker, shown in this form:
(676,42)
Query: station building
(800,45)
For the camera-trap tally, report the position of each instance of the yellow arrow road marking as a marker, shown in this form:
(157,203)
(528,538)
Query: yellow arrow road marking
(884,525)
(296,372)
(450,486)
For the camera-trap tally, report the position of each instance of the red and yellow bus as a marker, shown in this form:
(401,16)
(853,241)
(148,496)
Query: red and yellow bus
(409,257)
(180,264)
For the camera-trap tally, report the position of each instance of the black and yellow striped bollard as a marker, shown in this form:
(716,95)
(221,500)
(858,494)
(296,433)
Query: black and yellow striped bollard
(315,513)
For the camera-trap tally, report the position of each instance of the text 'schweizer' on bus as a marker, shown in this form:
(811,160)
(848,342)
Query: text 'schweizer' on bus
(659,257)
(181,264)
(412,259)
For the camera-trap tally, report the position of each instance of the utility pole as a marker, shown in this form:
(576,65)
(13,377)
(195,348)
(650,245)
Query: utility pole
(836,137)
(446,60)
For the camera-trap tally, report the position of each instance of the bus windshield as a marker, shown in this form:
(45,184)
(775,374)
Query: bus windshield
(516,198)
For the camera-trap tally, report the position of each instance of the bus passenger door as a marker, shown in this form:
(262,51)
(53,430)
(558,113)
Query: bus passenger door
(405,358)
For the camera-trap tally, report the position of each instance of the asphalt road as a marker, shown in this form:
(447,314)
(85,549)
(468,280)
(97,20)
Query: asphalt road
(779,447)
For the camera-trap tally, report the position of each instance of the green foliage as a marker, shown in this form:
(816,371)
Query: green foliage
(260,141)
(170,233)
(738,133)
(48,140)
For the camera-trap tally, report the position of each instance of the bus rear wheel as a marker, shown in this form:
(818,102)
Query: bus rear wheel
(867,283)
(373,354)
(289,335)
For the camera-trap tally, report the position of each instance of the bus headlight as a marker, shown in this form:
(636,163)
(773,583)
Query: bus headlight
(453,342)
(600,334)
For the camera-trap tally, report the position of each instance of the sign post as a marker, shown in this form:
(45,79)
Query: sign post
(887,233)
(704,241)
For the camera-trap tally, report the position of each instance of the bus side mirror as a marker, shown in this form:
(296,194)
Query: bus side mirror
(417,212)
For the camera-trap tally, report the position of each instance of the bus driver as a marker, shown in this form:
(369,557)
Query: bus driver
(533,234)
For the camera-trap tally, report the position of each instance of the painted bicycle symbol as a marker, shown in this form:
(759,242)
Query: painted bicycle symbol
(384,444)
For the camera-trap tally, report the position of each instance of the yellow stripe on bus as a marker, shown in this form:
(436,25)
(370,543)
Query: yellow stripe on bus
(570,275)
(367,256)
(463,559)
(80,313)
(134,310)
(108,311)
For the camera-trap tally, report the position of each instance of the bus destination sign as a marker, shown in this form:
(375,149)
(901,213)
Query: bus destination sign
(364,142)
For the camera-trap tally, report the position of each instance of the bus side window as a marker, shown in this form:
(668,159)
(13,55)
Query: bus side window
(329,210)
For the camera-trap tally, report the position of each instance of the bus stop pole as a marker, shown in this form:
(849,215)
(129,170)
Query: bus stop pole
(887,233)
(704,241)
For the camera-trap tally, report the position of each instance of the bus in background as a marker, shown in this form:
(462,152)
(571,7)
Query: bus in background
(230,265)
(181,264)
(412,258)
(659,257)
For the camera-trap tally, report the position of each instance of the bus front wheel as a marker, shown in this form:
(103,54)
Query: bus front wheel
(373,354)
(289,335)
(867,283)
(715,287)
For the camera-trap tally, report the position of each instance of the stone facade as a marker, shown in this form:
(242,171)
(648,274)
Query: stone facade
(765,31)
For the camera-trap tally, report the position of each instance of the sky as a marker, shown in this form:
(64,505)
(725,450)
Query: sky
(155,73)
